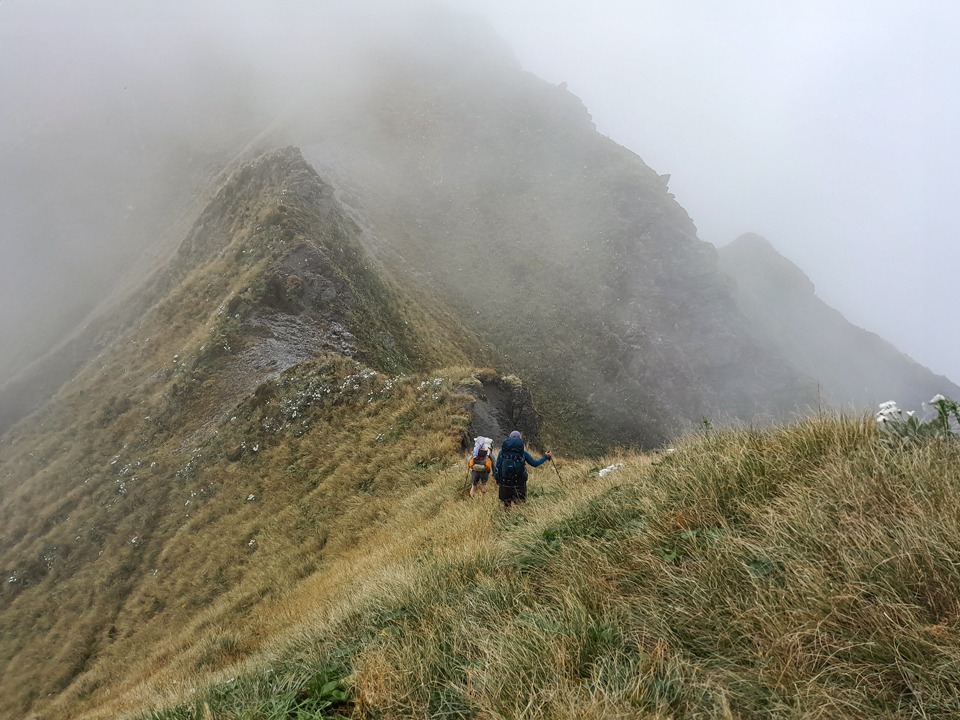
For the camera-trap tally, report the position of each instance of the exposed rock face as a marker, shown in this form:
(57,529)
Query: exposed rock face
(854,368)
(502,405)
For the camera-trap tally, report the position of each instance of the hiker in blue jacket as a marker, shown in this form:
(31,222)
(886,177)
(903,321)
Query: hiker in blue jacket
(510,472)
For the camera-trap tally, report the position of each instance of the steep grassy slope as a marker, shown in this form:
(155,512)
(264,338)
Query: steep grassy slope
(855,368)
(265,347)
(809,570)
(295,489)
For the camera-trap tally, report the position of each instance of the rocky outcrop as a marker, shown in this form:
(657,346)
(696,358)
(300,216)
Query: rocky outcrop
(500,405)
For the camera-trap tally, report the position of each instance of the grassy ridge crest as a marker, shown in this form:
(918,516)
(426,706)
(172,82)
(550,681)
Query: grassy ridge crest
(807,570)
(128,546)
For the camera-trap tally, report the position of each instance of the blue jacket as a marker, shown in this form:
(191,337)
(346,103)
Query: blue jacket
(515,445)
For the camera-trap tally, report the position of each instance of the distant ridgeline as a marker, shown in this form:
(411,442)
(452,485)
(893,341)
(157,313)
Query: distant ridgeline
(856,369)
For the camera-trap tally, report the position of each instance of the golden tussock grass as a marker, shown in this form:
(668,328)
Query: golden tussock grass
(808,570)
(315,497)
(128,545)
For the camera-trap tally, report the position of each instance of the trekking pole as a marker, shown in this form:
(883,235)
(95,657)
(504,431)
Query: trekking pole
(557,471)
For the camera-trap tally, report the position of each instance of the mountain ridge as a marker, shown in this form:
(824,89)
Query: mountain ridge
(491,191)
(278,413)
(582,239)
(230,363)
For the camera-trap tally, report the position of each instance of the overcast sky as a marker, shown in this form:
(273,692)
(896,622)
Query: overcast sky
(828,126)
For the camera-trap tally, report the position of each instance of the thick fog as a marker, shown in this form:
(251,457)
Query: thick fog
(115,115)
(826,127)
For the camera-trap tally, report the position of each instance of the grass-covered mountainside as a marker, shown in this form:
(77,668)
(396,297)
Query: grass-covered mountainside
(809,570)
(307,548)
(854,367)
(270,331)
(247,497)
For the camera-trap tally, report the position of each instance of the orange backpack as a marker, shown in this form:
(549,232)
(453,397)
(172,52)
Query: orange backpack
(481,464)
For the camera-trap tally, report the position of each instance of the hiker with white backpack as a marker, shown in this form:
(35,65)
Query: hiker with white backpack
(480,465)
